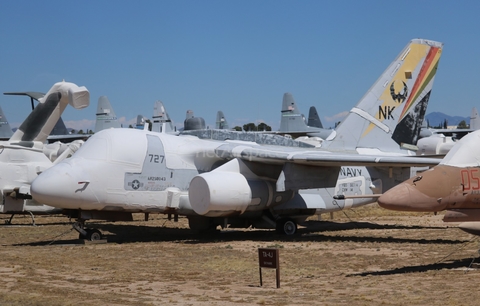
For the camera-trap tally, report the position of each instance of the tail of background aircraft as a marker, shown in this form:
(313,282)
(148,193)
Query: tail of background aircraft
(313,118)
(105,116)
(5,129)
(474,119)
(292,120)
(390,114)
(43,118)
(221,123)
(161,120)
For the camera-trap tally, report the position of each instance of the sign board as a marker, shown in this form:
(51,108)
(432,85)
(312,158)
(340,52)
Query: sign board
(269,258)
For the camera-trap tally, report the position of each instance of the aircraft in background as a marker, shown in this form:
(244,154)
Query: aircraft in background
(5,129)
(239,184)
(440,141)
(193,123)
(105,116)
(161,120)
(23,156)
(453,185)
(221,122)
(292,122)
(313,118)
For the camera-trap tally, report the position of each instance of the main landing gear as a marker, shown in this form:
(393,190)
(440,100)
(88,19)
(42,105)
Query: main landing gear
(91,234)
(286,226)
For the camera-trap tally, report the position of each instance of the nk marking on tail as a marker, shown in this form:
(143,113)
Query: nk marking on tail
(393,109)
(410,87)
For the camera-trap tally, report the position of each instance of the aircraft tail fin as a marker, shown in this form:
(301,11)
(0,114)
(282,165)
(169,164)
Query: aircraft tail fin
(60,128)
(474,119)
(221,123)
(5,129)
(313,118)
(140,124)
(43,118)
(292,120)
(105,116)
(161,120)
(389,116)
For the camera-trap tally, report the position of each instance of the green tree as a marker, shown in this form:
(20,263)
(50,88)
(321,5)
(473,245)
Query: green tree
(264,127)
(238,128)
(250,127)
(81,132)
(462,125)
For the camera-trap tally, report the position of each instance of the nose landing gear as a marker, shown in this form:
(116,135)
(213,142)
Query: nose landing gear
(90,234)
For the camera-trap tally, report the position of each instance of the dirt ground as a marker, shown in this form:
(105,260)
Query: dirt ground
(367,256)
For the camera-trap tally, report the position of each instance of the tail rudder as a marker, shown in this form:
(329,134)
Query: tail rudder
(221,122)
(313,118)
(390,114)
(5,129)
(161,120)
(105,116)
(43,118)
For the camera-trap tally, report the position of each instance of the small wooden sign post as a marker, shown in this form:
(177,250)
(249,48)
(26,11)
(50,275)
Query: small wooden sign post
(269,258)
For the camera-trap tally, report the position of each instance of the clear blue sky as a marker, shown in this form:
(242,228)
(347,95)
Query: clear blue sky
(235,56)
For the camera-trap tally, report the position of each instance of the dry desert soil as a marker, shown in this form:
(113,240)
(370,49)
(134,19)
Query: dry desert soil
(367,256)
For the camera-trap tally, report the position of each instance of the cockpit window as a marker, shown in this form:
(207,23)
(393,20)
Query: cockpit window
(93,148)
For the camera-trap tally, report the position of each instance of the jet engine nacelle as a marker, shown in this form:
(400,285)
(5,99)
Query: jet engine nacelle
(435,144)
(221,193)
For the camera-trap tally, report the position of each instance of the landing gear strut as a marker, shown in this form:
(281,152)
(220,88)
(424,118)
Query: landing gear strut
(11,217)
(91,234)
(286,226)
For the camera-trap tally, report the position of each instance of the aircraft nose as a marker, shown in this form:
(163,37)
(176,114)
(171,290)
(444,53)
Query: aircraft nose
(60,186)
(406,197)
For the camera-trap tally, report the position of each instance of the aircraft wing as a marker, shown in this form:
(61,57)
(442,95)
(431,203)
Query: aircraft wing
(67,137)
(319,157)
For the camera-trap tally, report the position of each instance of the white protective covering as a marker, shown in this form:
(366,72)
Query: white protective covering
(466,153)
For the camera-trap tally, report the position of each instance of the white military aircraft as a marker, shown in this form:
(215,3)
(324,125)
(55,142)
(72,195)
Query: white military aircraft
(242,183)
(25,154)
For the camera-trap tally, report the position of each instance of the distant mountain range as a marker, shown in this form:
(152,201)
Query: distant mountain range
(437,118)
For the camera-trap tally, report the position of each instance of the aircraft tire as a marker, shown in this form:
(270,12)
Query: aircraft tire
(93,235)
(286,227)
